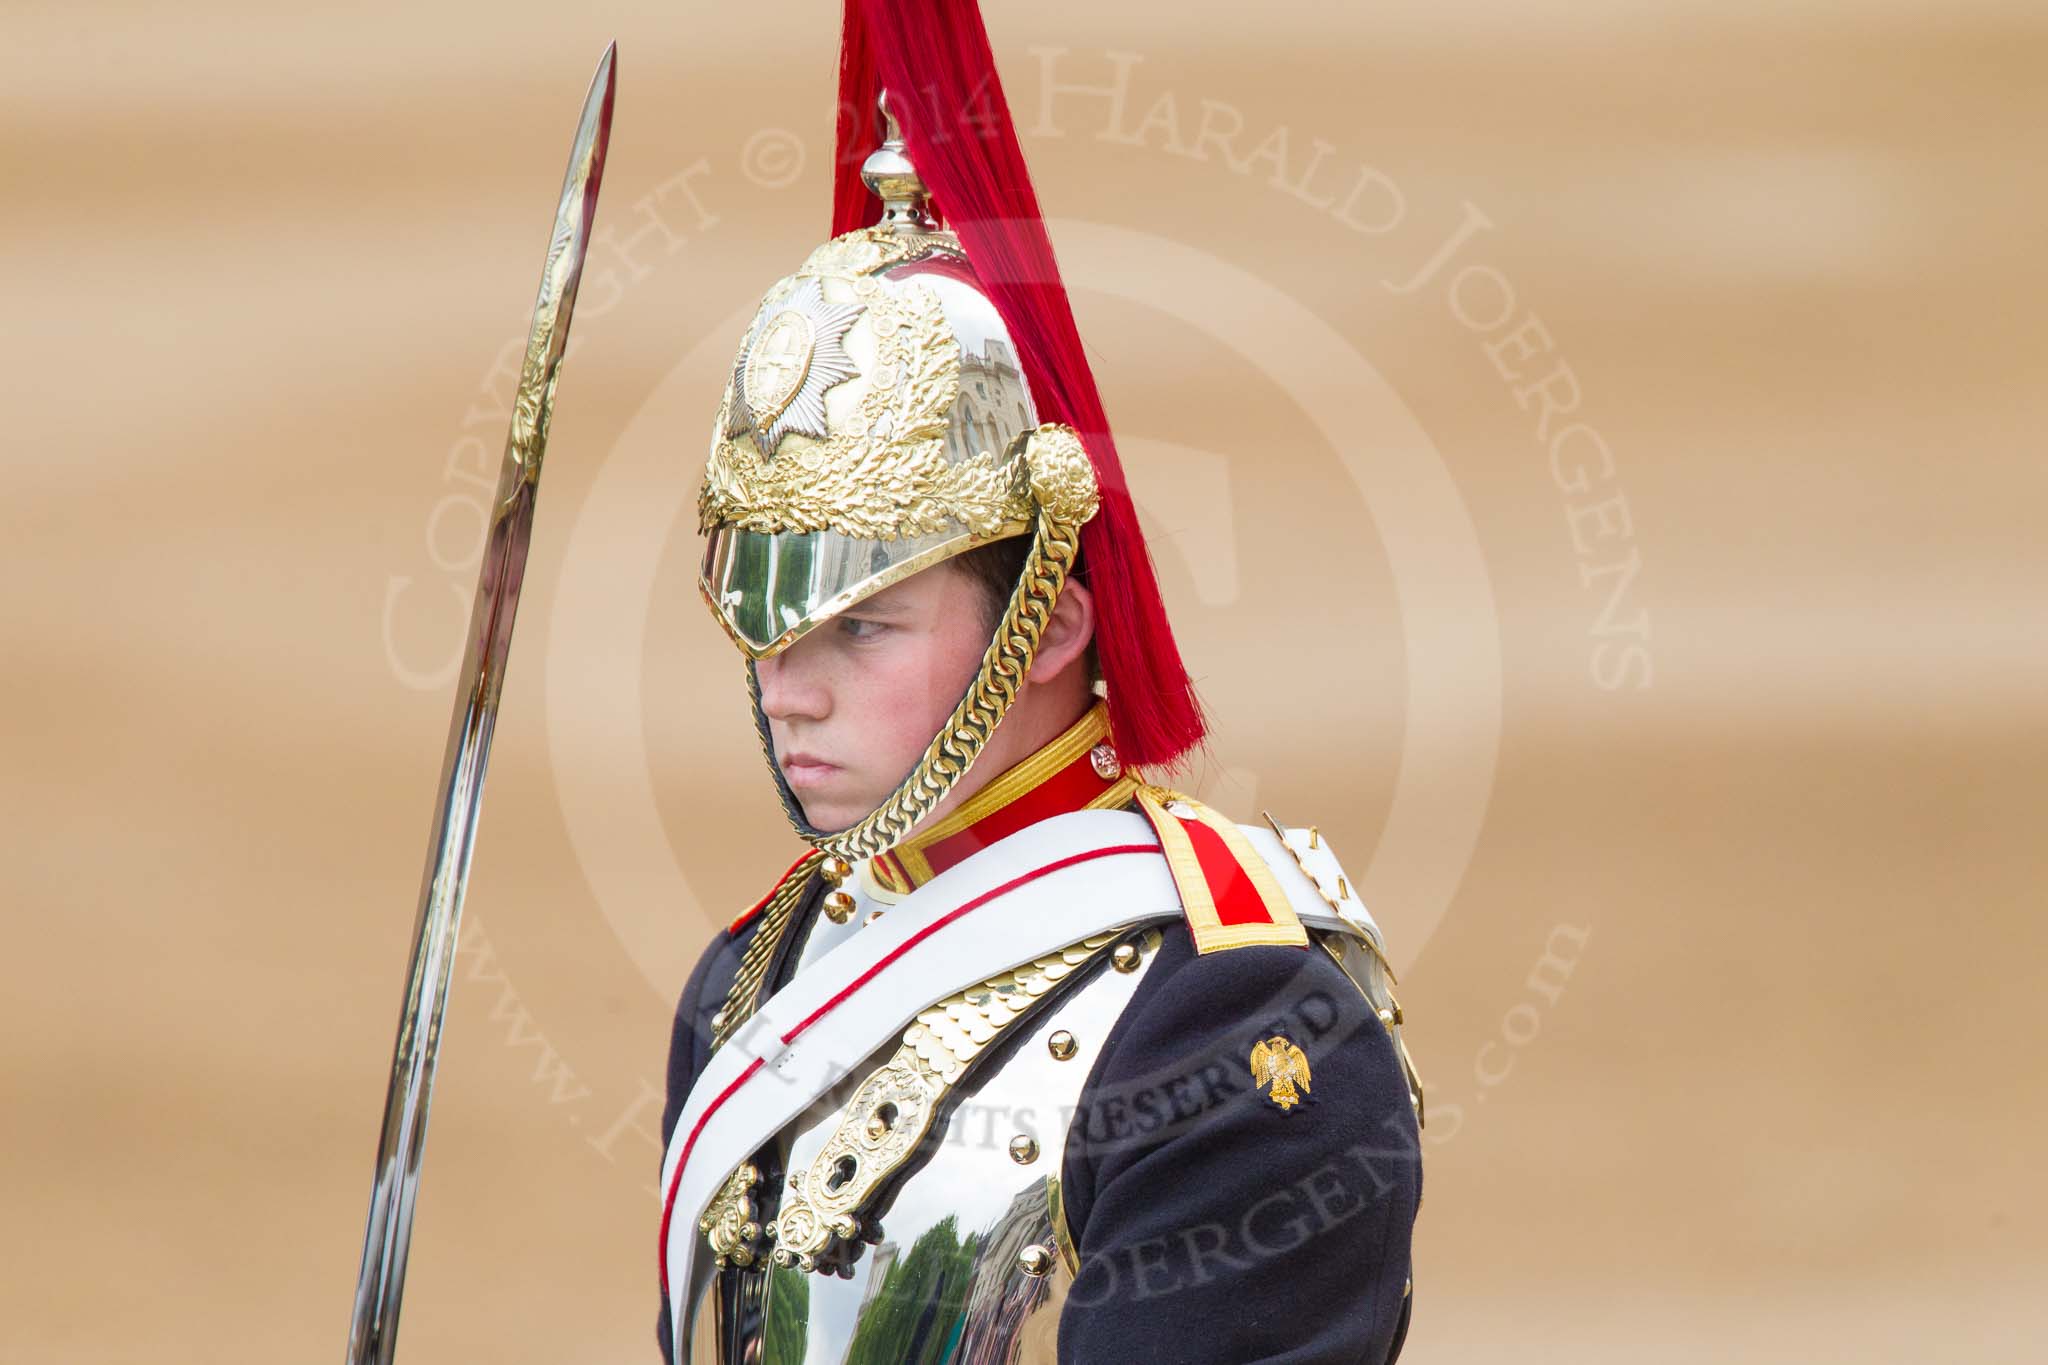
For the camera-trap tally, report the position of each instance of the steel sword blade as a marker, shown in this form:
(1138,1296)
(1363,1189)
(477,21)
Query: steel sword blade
(373,1331)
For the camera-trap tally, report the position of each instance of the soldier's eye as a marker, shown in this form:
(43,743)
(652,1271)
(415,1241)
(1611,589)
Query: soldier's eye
(861,628)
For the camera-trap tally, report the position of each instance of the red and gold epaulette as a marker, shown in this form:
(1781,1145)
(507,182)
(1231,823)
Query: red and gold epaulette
(746,916)
(1231,898)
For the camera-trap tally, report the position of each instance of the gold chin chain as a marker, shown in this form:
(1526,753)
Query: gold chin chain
(745,993)
(1064,493)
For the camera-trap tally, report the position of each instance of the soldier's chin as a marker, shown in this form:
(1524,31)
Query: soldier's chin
(828,816)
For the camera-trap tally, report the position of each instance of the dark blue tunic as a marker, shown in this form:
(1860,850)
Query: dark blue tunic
(1215,1226)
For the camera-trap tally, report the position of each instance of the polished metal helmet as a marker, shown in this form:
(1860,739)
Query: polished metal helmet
(877,422)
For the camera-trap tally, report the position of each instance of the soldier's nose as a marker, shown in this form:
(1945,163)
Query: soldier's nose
(789,691)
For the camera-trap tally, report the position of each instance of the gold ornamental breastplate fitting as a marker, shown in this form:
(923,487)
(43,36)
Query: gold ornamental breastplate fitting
(881,1126)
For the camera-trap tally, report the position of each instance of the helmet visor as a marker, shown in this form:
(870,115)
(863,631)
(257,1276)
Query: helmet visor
(769,589)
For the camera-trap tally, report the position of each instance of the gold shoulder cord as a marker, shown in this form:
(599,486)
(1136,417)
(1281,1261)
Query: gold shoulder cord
(744,996)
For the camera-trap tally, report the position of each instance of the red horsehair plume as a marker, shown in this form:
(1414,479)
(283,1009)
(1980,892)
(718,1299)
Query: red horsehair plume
(934,59)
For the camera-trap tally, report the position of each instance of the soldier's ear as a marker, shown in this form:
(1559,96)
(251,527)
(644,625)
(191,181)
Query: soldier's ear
(1067,635)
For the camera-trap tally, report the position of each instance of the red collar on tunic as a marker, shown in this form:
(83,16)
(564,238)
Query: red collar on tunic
(1079,770)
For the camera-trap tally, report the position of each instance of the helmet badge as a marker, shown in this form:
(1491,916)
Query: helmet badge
(795,356)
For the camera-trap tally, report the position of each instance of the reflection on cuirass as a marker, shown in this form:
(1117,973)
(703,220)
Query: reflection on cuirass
(963,1257)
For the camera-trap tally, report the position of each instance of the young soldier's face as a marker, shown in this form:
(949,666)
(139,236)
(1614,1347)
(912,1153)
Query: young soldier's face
(853,705)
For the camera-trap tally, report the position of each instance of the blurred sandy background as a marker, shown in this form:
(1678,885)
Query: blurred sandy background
(1746,733)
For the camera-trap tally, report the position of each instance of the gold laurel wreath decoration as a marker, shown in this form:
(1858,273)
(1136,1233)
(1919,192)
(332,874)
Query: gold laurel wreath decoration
(884,475)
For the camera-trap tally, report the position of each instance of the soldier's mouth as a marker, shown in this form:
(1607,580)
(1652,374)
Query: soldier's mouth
(807,770)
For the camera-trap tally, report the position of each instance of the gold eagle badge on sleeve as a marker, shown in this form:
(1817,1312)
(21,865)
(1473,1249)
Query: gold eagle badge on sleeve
(1279,1063)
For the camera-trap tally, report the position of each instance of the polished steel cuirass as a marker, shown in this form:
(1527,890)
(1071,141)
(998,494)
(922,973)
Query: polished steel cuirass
(966,1259)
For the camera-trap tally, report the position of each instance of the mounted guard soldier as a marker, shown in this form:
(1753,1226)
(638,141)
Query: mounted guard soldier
(1027,1058)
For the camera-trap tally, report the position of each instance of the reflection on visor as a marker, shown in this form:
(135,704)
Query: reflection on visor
(771,588)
